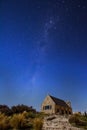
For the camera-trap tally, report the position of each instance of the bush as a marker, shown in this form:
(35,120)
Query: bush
(38,123)
(5,109)
(19,121)
(4,122)
(31,115)
(41,115)
(74,119)
(78,120)
(20,117)
(21,108)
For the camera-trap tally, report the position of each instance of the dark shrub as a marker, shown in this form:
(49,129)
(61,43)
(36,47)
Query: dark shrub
(73,119)
(22,108)
(5,109)
(78,120)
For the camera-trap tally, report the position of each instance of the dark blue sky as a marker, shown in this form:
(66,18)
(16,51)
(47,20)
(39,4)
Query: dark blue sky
(43,50)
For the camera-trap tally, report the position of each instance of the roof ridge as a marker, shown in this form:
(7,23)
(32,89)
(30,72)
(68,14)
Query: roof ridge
(59,101)
(56,98)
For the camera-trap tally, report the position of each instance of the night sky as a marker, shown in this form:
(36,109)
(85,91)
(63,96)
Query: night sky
(43,50)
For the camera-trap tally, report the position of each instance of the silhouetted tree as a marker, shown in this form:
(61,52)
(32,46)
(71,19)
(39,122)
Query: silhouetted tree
(15,109)
(5,109)
(21,108)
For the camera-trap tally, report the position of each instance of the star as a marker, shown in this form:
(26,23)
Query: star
(55,28)
(79,6)
(63,1)
(51,22)
(67,9)
(84,7)
(38,7)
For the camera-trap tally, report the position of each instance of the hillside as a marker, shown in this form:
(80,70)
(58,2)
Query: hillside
(58,122)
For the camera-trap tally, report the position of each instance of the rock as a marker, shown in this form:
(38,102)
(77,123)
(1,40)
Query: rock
(57,122)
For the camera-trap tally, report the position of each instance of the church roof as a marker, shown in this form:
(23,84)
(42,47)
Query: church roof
(59,101)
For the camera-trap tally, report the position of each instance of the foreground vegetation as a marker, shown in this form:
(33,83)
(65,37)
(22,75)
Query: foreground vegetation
(20,117)
(79,120)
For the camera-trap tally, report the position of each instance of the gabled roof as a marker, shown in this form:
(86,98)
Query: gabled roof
(59,101)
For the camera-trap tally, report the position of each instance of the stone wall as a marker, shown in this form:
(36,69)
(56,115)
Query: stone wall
(48,102)
(63,110)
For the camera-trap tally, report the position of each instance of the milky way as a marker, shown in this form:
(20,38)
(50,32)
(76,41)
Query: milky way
(43,49)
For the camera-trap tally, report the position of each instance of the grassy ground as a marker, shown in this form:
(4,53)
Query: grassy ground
(25,121)
(79,120)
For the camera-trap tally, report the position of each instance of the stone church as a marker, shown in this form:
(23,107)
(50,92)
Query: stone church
(53,105)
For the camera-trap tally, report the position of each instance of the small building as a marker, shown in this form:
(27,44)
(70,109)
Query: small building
(53,105)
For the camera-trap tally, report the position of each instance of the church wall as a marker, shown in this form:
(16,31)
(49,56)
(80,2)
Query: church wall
(48,102)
